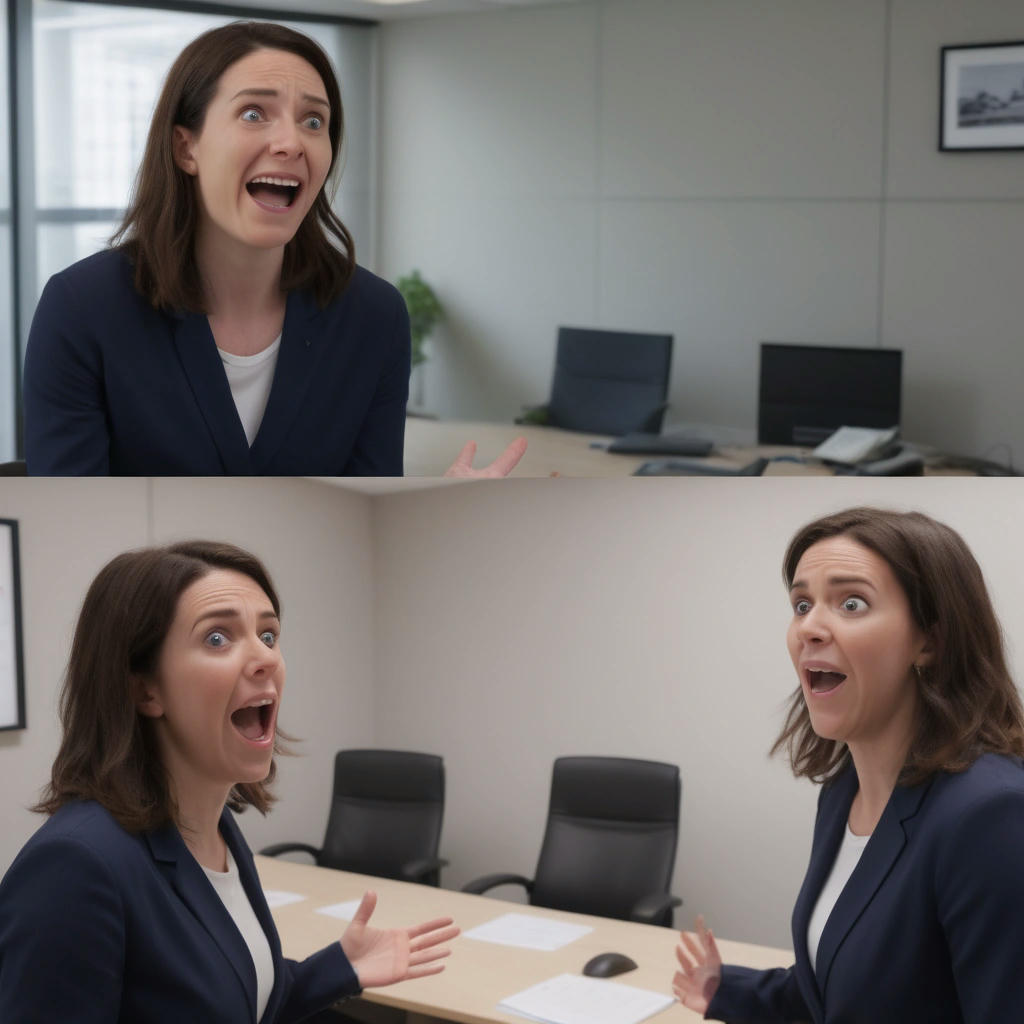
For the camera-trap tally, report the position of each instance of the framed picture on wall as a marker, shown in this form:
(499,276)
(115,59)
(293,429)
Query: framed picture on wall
(982,103)
(12,679)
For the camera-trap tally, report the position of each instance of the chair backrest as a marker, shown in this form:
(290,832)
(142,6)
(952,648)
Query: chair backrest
(386,811)
(613,824)
(609,382)
(13,468)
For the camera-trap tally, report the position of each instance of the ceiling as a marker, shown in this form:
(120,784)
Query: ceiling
(391,10)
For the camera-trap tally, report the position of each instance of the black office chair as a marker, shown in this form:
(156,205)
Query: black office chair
(610,843)
(385,818)
(607,382)
(13,468)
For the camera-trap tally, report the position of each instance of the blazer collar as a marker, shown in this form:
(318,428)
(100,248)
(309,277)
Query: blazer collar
(297,358)
(188,880)
(883,849)
(296,361)
(197,352)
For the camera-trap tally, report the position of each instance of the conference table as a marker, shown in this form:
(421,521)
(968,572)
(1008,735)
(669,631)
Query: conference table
(431,446)
(479,974)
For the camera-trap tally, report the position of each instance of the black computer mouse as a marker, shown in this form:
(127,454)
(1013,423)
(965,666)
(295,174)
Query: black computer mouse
(607,965)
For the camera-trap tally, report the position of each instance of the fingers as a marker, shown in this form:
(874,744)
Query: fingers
(509,458)
(367,905)
(689,940)
(439,923)
(427,956)
(464,461)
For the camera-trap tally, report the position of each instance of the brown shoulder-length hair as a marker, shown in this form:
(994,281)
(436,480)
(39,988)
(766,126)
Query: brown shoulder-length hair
(108,752)
(968,704)
(159,228)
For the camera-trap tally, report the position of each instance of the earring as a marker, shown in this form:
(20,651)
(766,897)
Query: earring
(919,672)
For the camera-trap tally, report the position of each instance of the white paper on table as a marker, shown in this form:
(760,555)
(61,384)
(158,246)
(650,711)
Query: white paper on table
(575,999)
(346,911)
(528,932)
(280,898)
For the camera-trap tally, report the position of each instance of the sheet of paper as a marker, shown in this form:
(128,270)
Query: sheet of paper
(346,911)
(280,898)
(574,999)
(528,932)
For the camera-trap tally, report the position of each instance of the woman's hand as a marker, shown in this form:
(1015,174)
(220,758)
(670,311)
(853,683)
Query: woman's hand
(501,466)
(382,956)
(700,969)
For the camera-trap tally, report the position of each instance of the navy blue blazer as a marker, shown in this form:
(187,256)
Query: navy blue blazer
(112,386)
(98,925)
(926,930)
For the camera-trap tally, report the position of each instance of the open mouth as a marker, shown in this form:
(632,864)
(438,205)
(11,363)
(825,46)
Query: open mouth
(274,193)
(255,721)
(823,681)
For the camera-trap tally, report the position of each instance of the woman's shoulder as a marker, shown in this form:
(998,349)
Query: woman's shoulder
(992,780)
(367,288)
(81,821)
(102,269)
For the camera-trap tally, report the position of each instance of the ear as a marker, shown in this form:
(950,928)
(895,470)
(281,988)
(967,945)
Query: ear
(147,699)
(182,143)
(927,653)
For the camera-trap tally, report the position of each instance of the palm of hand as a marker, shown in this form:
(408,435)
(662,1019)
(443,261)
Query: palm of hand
(700,969)
(380,956)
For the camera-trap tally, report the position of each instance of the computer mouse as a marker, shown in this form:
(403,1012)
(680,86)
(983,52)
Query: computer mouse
(607,965)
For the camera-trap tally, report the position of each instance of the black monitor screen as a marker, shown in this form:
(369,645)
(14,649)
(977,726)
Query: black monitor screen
(809,391)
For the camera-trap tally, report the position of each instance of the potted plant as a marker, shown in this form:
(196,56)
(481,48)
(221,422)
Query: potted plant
(424,312)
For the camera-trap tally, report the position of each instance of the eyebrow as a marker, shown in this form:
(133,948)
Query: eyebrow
(307,96)
(230,613)
(835,581)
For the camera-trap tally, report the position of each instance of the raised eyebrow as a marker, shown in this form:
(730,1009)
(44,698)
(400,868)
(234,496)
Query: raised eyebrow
(307,96)
(836,581)
(233,613)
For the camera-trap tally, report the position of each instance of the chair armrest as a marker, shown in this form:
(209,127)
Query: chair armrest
(650,908)
(538,415)
(652,425)
(276,849)
(414,870)
(485,882)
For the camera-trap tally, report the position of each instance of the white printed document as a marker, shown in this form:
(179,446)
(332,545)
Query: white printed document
(575,999)
(346,911)
(280,898)
(528,932)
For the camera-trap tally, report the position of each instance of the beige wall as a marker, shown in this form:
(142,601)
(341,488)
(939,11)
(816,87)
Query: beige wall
(644,619)
(70,528)
(731,172)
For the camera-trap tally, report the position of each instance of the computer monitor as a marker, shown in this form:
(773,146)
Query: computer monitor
(808,391)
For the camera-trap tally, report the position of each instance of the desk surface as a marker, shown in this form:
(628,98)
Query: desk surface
(432,445)
(478,974)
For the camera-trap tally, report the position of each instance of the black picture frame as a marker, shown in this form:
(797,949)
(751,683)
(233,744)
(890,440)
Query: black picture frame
(982,97)
(12,674)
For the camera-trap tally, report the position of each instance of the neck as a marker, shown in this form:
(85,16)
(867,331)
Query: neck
(239,282)
(878,768)
(199,811)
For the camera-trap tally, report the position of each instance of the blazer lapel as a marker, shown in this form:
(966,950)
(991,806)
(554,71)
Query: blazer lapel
(197,352)
(834,809)
(297,359)
(194,889)
(881,853)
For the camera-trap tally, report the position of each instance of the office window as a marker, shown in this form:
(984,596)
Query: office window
(7,347)
(98,72)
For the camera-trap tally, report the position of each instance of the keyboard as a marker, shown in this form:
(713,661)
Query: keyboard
(681,467)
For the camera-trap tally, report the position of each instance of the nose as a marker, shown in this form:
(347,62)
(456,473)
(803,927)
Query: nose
(263,660)
(813,627)
(286,140)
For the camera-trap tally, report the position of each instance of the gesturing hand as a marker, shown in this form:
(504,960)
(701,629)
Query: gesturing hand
(700,968)
(501,466)
(382,956)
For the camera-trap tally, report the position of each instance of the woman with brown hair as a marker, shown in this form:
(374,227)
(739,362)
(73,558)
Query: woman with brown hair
(907,715)
(138,899)
(229,329)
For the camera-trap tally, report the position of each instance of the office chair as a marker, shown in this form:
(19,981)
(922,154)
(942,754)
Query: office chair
(13,468)
(385,817)
(607,382)
(610,843)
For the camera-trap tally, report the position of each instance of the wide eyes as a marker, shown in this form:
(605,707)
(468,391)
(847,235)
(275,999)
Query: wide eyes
(254,115)
(218,638)
(850,604)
